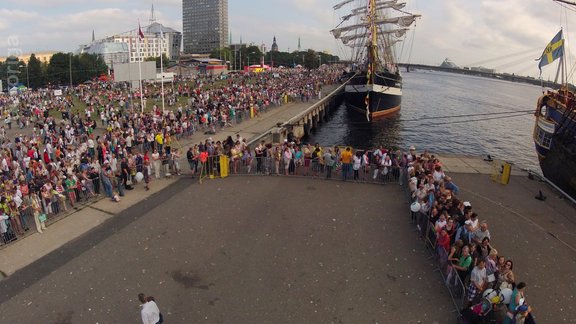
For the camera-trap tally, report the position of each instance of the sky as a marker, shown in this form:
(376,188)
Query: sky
(507,35)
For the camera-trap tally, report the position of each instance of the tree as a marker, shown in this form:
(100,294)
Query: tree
(35,73)
(11,72)
(310,59)
(83,67)
(250,54)
(58,71)
(165,60)
(224,54)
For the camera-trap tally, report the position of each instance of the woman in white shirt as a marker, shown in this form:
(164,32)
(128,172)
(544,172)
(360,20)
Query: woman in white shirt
(356,163)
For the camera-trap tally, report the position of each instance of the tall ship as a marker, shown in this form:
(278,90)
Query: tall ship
(372,28)
(555,123)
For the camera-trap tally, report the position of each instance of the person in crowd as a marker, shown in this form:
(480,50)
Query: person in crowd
(441,223)
(191,160)
(471,226)
(464,263)
(443,240)
(149,310)
(450,229)
(450,185)
(287,158)
(481,233)
(356,164)
(346,159)
(107,178)
(506,275)
(157,163)
(483,249)
(518,299)
(330,162)
(478,281)
(39,216)
(491,268)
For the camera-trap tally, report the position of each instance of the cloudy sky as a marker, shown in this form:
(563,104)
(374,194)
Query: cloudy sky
(503,34)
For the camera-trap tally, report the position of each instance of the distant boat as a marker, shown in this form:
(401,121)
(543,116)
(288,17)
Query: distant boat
(555,125)
(375,86)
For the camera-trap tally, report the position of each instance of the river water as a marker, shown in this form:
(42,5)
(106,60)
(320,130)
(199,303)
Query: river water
(447,113)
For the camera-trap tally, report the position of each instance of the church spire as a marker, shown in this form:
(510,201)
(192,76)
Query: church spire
(274,45)
(152,16)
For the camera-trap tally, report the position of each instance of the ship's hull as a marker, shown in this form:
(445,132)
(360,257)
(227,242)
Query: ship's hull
(383,97)
(555,143)
(559,166)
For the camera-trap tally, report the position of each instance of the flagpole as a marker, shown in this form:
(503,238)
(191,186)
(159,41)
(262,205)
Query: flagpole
(140,69)
(162,68)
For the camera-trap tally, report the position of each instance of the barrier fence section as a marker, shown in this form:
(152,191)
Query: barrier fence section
(223,166)
(31,217)
(43,205)
(452,280)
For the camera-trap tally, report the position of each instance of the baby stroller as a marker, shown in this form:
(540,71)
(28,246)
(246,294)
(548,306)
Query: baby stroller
(484,311)
(478,313)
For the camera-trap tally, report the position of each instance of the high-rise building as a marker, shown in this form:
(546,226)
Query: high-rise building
(205,25)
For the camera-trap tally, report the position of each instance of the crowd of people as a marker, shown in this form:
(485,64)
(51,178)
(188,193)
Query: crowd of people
(463,240)
(301,159)
(58,149)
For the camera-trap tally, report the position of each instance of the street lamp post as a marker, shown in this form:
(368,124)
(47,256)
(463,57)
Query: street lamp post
(70,69)
(249,59)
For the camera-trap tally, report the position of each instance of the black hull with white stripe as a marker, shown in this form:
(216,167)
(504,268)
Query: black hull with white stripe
(385,94)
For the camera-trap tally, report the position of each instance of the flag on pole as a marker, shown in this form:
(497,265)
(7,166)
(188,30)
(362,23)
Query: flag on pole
(367,102)
(140,33)
(553,51)
(367,99)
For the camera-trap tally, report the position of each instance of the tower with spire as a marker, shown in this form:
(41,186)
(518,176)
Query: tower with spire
(152,16)
(299,47)
(274,45)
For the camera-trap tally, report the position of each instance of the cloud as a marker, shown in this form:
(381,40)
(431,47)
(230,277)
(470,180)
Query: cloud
(466,31)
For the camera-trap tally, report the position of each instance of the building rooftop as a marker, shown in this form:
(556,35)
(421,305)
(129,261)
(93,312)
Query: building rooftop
(155,28)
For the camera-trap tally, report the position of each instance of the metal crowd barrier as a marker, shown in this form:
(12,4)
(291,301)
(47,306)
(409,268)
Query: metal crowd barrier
(315,168)
(426,230)
(22,223)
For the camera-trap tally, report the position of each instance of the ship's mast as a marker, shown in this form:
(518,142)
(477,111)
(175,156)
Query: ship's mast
(572,3)
(373,44)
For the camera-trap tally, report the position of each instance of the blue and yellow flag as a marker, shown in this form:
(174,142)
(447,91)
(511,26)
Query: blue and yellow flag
(553,50)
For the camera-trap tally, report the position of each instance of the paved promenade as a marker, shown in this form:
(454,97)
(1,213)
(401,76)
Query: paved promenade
(242,250)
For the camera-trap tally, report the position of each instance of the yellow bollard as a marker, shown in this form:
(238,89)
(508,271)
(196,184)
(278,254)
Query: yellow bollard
(501,172)
(224,166)
(506,171)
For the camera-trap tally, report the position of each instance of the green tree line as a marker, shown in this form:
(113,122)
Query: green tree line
(250,55)
(61,68)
